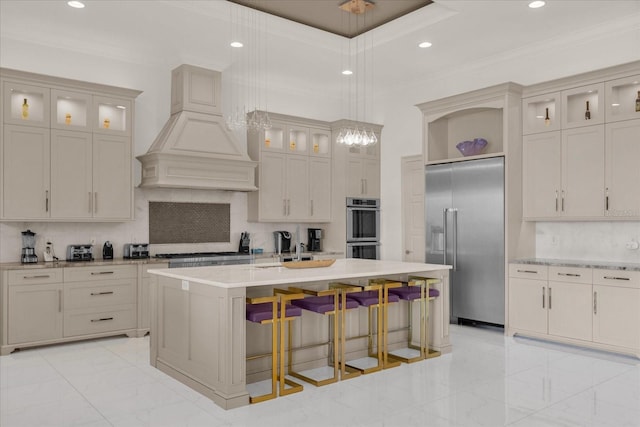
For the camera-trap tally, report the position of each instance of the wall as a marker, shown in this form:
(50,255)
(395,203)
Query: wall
(593,49)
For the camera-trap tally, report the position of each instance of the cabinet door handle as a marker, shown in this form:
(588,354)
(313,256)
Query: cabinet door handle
(59,301)
(606,199)
(549,298)
(41,276)
(616,278)
(595,302)
(46,200)
(90,202)
(569,274)
(527,271)
(562,201)
(101,293)
(97,273)
(102,319)
(95,202)
(556,200)
(543,297)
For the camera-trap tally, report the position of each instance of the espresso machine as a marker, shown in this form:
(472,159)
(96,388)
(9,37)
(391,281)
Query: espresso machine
(28,247)
(315,236)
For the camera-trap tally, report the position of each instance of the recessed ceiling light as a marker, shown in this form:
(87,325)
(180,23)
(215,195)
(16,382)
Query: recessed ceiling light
(347,72)
(615,104)
(122,107)
(76,4)
(424,45)
(236,44)
(536,4)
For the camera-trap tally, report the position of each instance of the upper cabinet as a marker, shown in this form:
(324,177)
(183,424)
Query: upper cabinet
(580,147)
(294,171)
(623,98)
(473,125)
(78,137)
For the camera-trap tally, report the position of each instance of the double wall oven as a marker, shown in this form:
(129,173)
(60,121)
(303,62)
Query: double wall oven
(363,228)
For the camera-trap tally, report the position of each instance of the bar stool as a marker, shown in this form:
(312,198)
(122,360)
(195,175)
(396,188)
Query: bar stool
(328,302)
(375,296)
(417,288)
(268,310)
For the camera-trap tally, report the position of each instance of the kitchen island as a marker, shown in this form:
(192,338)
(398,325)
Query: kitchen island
(198,329)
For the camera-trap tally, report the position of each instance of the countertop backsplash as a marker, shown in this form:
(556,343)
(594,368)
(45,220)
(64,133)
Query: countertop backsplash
(588,241)
(68,233)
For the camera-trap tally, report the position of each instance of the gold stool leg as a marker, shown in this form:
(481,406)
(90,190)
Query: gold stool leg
(274,347)
(285,323)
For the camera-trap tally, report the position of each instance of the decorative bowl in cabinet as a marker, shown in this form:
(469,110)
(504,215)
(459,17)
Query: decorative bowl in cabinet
(472,148)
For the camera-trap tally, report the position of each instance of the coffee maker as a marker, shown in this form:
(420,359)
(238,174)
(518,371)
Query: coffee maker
(315,236)
(245,242)
(282,241)
(28,247)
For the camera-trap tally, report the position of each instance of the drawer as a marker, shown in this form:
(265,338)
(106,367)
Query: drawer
(147,267)
(528,271)
(570,274)
(105,272)
(99,294)
(96,321)
(35,276)
(622,278)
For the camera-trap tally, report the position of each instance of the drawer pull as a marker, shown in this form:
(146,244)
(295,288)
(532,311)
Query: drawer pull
(102,320)
(595,303)
(543,297)
(569,274)
(102,293)
(527,271)
(616,278)
(97,273)
(42,276)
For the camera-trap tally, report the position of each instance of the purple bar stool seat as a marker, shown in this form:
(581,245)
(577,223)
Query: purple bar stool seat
(410,293)
(369,298)
(321,304)
(258,313)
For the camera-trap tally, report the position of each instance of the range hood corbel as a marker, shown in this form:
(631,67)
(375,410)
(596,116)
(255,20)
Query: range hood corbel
(195,149)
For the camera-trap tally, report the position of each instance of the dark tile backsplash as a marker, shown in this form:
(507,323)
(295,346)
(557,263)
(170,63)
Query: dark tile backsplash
(173,222)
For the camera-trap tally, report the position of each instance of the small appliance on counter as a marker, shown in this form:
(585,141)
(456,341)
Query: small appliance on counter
(243,247)
(28,247)
(80,252)
(107,250)
(282,241)
(315,243)
(136,250)
(49,255)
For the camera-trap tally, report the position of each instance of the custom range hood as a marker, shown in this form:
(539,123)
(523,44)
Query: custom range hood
(195,149)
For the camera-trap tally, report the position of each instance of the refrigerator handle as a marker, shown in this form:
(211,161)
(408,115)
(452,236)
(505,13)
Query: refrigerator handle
(444,237)
(455,239)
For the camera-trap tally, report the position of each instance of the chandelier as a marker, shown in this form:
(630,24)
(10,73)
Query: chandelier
(248,70)
(358,87)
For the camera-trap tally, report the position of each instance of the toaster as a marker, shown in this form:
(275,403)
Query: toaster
(80,253)
(136,250)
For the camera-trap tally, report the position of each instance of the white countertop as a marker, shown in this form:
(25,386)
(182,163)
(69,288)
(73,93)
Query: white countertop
(247,275)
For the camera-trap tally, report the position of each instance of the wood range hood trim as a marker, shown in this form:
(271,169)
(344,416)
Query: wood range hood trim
(195,149)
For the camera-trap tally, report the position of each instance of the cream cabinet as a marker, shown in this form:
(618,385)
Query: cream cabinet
(563,173)
(622,173)
(53,305)
(363,171)
(34,308)
(528,297)
(593,129)
(569,302)
(294,172)
(74,147)
(145,280)
(26,162)
(616,308)
(598,308)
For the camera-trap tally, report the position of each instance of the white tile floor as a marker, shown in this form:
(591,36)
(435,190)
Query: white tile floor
(488,380)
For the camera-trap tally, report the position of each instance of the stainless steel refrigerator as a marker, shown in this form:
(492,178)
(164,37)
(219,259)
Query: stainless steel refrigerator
(464,207)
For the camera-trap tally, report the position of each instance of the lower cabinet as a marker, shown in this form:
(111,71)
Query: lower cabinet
(598,308)
(49,305)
